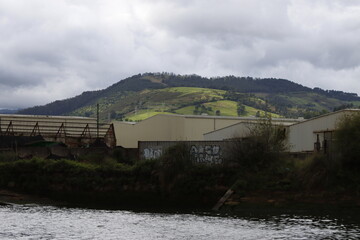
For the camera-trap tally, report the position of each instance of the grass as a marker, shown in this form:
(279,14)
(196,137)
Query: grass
(144,114)
(189,110)
(252,112)
(184,91)
(226,107)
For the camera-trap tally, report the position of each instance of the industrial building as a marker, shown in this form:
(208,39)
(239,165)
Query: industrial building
(166,127)
(71,131)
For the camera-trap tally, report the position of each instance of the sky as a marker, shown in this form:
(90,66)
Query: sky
(52,50)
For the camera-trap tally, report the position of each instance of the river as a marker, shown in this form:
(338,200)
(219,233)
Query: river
(49,222)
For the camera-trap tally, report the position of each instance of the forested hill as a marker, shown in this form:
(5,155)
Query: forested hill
(276,92)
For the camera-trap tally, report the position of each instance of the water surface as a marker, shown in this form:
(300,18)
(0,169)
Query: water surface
(48,222)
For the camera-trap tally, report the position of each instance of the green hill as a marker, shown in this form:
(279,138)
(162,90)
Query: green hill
(180,100)
(145,95)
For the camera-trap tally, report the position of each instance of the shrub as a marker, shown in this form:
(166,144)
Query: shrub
(261,148)
(319,173)
(175,160)
(348,140)
(8,156)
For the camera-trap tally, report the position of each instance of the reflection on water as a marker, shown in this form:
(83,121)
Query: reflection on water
(46,222)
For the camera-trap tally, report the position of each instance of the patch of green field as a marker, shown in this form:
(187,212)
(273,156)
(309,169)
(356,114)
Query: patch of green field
(143,114)
(189,110)
(250,111)
(226,107)
(356,103)
(192,90)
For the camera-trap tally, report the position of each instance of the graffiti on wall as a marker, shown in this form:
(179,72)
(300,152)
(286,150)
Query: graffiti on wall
(201,152)
(209,154)
(150,153)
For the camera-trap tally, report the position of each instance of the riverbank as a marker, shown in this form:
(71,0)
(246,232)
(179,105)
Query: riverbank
(176,184)
(290,199)
(142,185)
(8,197)
(258,201)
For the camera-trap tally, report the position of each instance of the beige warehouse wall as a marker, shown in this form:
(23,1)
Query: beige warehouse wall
(156,128)
(196,127)
(165,127)
(221,123)
(233,131)
(168,128)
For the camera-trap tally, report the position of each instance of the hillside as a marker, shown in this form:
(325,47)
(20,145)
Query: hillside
(180,100)
(145,95)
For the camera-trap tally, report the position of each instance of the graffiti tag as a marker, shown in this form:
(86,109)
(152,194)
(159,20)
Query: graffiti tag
(150,153)
(209,154)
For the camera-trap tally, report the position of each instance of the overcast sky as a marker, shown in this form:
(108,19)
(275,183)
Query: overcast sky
(52,50)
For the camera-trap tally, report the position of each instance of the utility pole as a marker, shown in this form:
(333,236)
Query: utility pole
(97,120)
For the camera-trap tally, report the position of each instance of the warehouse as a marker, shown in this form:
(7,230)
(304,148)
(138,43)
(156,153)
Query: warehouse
(69,130)
(166,127)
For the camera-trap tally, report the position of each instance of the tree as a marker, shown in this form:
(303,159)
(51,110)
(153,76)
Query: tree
(241,109)
(88,114)
(218,113)
(348,140)
(261,147)
(113,114)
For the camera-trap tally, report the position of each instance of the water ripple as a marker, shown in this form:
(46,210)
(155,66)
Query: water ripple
(46,222)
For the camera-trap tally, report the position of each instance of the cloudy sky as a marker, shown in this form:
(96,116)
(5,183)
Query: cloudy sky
(52,50)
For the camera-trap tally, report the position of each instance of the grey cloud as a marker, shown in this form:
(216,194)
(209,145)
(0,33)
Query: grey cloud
(55,49)
(216,19)
(268,28)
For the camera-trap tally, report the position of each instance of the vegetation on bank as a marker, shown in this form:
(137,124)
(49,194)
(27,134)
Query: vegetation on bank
(163,181)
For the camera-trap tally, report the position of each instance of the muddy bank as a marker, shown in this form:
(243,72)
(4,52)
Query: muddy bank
(290,200)
(8,197)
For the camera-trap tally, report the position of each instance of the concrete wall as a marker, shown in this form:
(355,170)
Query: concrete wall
(302,136)
(201,152)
